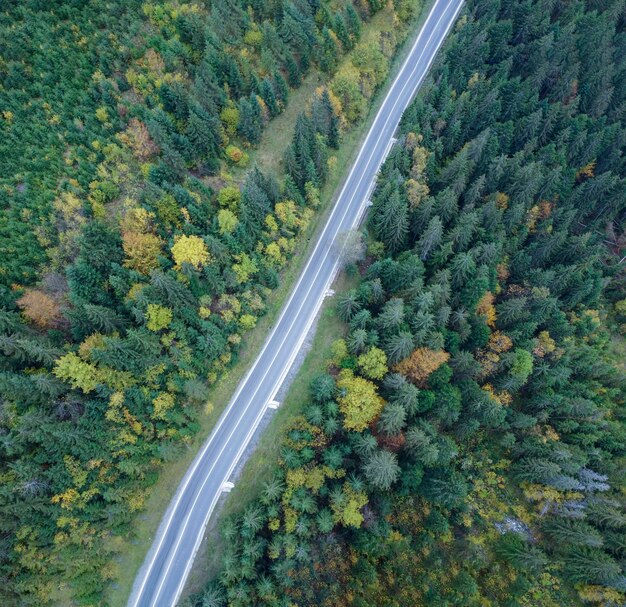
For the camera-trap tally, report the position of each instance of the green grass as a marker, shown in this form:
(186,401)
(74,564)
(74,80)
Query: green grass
(275,139)
(277,136)
(132,551)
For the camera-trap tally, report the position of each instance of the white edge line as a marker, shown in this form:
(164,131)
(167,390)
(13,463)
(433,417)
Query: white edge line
(200,455)
(291,358)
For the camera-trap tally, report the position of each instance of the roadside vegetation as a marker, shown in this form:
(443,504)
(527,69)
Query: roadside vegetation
(464,442)
(140,243)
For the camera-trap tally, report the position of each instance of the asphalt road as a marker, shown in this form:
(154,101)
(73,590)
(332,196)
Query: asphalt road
(162,576)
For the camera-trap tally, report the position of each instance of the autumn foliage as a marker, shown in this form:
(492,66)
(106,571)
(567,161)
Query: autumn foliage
(191,250)
(138,139)
(486,308)
(39,308)
(421,364)
(141,251)
(359,401)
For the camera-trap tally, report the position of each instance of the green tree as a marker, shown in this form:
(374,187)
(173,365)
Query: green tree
(392,418)
(250,119)
(382,470)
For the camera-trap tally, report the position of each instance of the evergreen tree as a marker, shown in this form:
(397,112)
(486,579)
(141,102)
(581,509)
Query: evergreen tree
(353,22)
(340,28)
(268,95)
(250,119)
(293,71)
(381,469)
(281,88)
(390,221)
(328,52)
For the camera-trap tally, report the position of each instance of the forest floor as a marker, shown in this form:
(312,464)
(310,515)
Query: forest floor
(268,156)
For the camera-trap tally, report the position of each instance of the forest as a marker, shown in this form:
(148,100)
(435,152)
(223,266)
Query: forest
(465,445)
(139,241)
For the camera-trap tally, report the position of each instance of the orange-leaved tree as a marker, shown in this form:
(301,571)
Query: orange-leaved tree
(421,363)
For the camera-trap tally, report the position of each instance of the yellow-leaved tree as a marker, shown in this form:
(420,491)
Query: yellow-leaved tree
(227,221)
(359,401)
(142,251)
(373,363)
(162,404)
(244,268)
(486,308)
(229,198)
(191,250)
(158,317)
(141,246)
(347,510)
(76,372)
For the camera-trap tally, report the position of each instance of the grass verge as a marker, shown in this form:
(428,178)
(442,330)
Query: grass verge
(268,156)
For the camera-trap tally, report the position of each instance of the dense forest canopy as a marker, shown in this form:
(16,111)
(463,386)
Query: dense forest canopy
(138,242)
(466,444)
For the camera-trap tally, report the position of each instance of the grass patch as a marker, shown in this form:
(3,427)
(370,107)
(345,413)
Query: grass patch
(277,137)
(268,156)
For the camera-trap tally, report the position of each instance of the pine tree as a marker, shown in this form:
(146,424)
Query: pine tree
(322,388)
(422,446)
(328,52)
(591,565)
(340,28)
(175,100)
(203,132)
(357,341)
(250,119)
(268,95)
(571,531)
(353,22)
(521,554)
(392,419)
(390,220)
(399,347)
(232,76)
(281,88)
(333,123)
(431,237)
(382,470)
(293,71)
(348,305)
(334,132)
(392,314)
(298,30)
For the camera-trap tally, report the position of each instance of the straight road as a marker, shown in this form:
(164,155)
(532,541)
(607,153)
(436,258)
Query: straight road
(162,576)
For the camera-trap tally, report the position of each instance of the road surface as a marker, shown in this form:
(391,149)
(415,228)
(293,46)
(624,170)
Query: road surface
(162,576)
